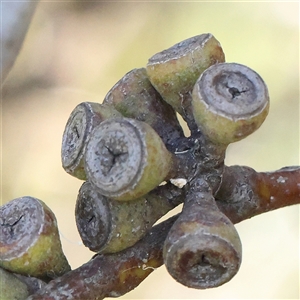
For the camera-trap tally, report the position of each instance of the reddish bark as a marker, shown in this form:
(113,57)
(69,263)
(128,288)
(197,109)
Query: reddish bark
(245,193)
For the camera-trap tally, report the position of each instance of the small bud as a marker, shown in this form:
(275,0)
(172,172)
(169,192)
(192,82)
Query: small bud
(230,101)
(125,159)
(83,119)
(29,239)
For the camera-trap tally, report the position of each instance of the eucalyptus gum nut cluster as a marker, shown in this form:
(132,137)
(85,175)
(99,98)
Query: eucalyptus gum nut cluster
(230,101)
(202,249)
(125,159)
(135,97)
(109,226)
(174,71)
(84,117)
(29,239)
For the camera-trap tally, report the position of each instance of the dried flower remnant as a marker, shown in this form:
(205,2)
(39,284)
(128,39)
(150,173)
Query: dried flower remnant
(29,239)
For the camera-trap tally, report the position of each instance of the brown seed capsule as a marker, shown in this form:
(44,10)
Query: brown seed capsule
(81,122)
(135,97)
(29,239)
(125,159)
(173,72)
(230,101)
(109,226)
(203,249)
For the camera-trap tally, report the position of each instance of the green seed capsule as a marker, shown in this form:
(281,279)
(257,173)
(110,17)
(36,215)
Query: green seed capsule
(203,249)
(230,101)
(29,239)
(11,287)
(109,226)
(173,72)
(135,97)
(81,122)
(125,159)
(18,287)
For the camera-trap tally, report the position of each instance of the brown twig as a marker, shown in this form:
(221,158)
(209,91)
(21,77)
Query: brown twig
(247,193)
(110,275)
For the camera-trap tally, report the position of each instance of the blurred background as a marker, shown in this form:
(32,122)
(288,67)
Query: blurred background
(76,51)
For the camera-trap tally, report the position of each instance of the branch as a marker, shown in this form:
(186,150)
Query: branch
(249,192)
(245,193)
(111,275)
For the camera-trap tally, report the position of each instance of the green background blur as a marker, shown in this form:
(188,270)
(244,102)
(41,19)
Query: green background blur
(76,51)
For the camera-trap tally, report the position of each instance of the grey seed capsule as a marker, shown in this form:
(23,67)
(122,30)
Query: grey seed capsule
(81,122)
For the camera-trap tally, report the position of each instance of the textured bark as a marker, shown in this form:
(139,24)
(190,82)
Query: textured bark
(247,193)
(110,275)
